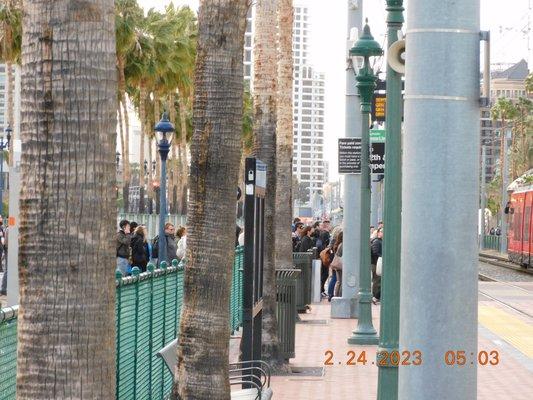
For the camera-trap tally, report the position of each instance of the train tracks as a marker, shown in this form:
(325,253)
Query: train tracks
(502,262)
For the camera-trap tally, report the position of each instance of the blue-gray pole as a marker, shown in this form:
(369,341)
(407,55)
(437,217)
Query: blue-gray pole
(346,306)
(440,201)
(163,127)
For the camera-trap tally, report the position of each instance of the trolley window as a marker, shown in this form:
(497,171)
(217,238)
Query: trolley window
(527,223)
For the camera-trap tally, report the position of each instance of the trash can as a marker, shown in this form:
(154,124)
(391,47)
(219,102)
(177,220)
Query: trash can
(286,309)
(303,262)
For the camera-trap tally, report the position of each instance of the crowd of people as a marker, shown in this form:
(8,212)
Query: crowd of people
(134,249)
(328,242)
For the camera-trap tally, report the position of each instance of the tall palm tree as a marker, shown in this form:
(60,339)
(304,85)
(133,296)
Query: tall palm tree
(66,326)
(522,150)
(284,137)
(265,101)
(10,48)
(128,15)
(204,327)
(503,111)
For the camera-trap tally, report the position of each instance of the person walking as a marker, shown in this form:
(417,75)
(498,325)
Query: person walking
(3,257)
(336,265)
(123,241)
(139,248)
(306,243)
(375,253)
(182,243)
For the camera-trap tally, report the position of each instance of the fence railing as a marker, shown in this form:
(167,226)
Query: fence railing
(492,242)
(148,309)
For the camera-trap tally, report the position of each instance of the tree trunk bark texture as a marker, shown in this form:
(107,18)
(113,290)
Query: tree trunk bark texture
(203,352)
(66,324)
(264,96)
(126,173)
(184,166)
(284,138)
(142,112)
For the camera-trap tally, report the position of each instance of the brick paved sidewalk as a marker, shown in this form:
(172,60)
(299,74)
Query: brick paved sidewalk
(512,379)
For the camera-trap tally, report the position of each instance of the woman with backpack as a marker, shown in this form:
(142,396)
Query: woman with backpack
(139,249)
(335,266)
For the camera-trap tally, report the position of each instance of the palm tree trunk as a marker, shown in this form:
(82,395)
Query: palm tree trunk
(126,174)
(284,138)
(204,328)
(173,162)
(150,174)
(157,117)
(184,166)
(142,112)
(265,78)
(66,325)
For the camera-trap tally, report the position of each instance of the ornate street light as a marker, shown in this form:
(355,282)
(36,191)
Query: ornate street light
(365,47)
(3,145)
(164,130)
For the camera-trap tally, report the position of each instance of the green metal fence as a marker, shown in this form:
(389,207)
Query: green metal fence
(492,242)
(8,352)
(148,309)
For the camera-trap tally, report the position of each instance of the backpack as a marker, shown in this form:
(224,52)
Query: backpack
(155,247)
(326,256)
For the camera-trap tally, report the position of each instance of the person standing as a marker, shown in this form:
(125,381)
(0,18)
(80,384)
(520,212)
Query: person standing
(139,249)
(306,242)
(123,246)
(182,243)
(375,253)
(170,240)
(3,257)
(297,236)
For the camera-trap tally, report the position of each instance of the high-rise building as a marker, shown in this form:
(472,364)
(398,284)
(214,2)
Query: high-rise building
(3,97)
(509,84)
(308,117)
(308,105)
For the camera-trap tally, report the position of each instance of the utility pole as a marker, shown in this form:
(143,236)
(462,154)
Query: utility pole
(483,196)
(346,306)
(439,279)
(392,224)
(505,182)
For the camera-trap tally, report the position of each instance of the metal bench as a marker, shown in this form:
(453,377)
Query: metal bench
(252,373)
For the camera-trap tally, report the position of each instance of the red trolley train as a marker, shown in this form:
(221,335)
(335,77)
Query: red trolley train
(520,243)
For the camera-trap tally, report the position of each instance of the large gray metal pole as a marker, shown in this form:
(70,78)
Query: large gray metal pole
(483,202)
(505,183)
(440,198)
(346,306)
(374,200)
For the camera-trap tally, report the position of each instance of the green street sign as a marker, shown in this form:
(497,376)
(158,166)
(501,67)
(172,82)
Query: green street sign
(377,135)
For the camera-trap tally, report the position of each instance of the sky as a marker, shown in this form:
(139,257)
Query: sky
(510,23)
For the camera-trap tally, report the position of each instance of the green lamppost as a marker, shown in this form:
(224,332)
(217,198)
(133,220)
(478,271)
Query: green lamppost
(392,212)
(365,47)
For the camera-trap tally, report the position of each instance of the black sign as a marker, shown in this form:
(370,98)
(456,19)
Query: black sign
(377,158)
(350,156)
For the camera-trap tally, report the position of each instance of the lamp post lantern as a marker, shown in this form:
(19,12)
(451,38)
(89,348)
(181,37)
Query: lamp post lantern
(117,159)
(164,130)
(389,325)
(3,145)
(365,47)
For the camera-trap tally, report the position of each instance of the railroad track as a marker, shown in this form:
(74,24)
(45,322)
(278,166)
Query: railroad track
(500,262)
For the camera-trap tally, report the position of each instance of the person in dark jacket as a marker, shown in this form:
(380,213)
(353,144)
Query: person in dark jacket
(307,240)
(123,246)
(139,249)
(375,253)
(172,246)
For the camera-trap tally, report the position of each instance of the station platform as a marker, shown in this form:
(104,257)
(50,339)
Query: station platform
(505,325)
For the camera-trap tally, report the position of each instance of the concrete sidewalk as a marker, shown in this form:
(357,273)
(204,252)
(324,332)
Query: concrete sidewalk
(511,379)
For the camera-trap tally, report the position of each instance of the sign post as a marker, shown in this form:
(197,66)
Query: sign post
(350,155)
